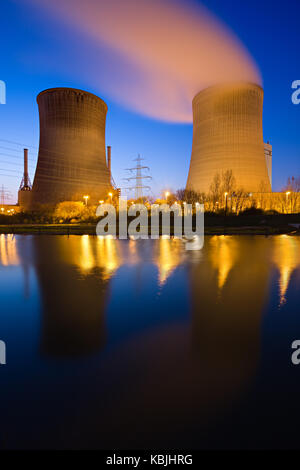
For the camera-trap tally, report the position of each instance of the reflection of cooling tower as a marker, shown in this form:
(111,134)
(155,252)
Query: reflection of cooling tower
(73,318)
(228,136)
(71,160)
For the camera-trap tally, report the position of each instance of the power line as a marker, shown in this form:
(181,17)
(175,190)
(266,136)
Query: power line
(18,143)
(8,169)
(4,195)
(11,163)
(14,156)
(9,148)
(54,159)
(10,176)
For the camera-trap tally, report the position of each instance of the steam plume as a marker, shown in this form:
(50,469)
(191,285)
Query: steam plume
(164,52)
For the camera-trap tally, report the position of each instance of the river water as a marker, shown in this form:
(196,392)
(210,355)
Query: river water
(116,344)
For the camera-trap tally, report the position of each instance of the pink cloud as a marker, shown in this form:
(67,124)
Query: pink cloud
(169,51)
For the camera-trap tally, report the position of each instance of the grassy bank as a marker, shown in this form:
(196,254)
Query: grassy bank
(214,225)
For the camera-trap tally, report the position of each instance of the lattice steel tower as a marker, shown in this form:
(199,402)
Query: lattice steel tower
(138,177)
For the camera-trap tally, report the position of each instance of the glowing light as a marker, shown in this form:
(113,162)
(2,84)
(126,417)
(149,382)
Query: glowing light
(168,258)
(87,259)
(86,198)
(8,251)
(223,256)
(108,256)
(287,259)
(287,198)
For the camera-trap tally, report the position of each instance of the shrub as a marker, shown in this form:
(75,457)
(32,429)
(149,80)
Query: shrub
(68,210)
(252,211)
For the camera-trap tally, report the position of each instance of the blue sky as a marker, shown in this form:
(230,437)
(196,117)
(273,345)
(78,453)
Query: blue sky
(30,42)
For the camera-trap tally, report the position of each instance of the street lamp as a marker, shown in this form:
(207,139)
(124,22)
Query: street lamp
(110,195)
(167,194)
(287,198)
(86,198)
(225,194)
(101,202)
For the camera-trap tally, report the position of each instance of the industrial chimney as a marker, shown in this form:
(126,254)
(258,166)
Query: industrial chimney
(109,160)
(24,194)
(71,161)
(228,135)
(26,178)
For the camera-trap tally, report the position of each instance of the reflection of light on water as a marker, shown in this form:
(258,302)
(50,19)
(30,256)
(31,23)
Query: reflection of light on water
(287,258)
(88,252)
(133,257)
(100,252)
(168,258)
(222,257)
(8,251)
(108,257)
(86,259)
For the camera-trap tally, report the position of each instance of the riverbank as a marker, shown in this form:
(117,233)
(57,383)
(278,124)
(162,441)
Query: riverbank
(90,229)
(275,224)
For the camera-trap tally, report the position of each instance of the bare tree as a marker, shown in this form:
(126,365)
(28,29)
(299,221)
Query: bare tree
(180,194)
(240,198)
(215,191)
(190,196)
(293,184)
(228,182)
(292,190)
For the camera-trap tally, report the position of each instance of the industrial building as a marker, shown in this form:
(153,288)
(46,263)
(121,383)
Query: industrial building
(228,135)
(72,158)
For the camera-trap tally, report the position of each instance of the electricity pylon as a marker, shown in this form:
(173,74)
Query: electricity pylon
(138,177)
(4,195)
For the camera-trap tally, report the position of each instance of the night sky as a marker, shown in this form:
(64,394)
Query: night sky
(40,51)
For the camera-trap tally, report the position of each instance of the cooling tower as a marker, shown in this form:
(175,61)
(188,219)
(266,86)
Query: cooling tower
(228,135)
(71,160)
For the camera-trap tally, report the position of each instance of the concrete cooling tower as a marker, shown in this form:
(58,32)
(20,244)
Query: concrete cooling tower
(228,135)
(71,160)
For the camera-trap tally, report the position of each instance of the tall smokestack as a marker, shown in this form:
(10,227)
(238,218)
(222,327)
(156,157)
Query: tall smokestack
(26,178)
(109,160)
(24,194)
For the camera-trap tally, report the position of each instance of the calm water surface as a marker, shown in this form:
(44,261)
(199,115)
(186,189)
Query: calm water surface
(141,344)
